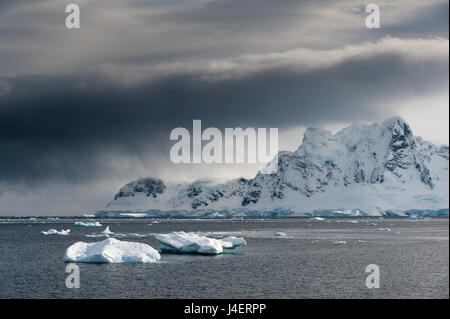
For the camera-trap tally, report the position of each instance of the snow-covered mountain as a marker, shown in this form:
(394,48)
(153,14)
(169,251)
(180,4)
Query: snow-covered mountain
(363,169)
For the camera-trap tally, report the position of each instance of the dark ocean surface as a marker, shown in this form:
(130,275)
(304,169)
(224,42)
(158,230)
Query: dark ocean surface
(307,263)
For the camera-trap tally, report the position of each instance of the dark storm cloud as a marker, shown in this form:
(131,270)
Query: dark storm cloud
(71,127)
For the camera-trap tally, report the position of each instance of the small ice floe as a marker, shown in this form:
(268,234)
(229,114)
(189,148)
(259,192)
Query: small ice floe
(111,250)
(384,229)
(190,243)
(317,218)
(280,234)
(155,222)
(371,224)
(107,231)
(381,218)
(340,242)
(362,241)
(55,232)
(92,224)
(352,221)
(238,219)
(413,217)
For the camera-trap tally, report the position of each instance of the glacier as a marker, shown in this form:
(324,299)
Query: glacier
(111,250)
(379,169)
(191,243)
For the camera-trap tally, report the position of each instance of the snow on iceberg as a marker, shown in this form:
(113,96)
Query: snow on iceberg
(55,232)
(181,242)
(111,250)
(93,224)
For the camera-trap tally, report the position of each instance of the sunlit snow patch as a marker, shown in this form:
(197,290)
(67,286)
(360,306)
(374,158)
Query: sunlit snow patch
(111,250)
(190,243)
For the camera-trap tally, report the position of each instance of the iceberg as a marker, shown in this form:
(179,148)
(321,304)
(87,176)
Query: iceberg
(111,250)
(317,218)
(55,232)
(231,242)
(190,243)
(107,231)
(93,224)
(384,229)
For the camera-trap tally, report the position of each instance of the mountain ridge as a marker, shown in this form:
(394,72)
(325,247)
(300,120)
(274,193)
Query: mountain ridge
(368,169)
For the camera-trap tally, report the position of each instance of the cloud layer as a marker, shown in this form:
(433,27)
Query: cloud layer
(96,106)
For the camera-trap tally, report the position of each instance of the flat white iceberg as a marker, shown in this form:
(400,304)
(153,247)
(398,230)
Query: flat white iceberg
(93,224)
(384,229)
(190,243)
(111,250)
(55,232)
(340,242)
(317,218)
(232,242)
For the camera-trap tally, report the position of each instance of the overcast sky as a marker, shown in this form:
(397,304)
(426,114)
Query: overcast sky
(84,111)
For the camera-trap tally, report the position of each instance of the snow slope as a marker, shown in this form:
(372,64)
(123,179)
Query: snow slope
(361,170)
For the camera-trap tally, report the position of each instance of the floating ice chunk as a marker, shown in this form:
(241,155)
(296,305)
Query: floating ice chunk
(107,231)
(317,218)
(381,218)
(352,221)
(181,242)
(155,222)
(384,229)
(93,224)
(238,219)
(86,216)
(362,241)
(55,232)
(413,217)
(279,234)
(340,242)
(111,250)
(233,242)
